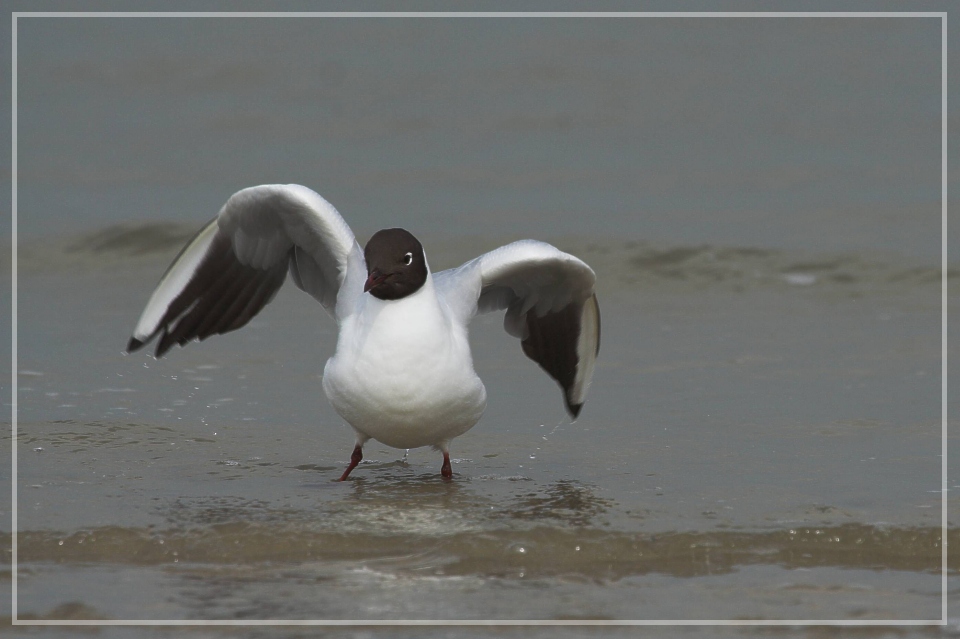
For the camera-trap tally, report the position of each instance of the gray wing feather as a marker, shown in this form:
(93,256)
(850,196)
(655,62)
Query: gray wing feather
(549,302)
(236,264)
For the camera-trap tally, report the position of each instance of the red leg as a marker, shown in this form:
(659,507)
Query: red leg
(445,470)
(354,460)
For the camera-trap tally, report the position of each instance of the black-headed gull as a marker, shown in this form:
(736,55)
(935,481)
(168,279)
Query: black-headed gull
(402,372)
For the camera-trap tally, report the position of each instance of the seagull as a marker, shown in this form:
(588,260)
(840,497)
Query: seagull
(402,373)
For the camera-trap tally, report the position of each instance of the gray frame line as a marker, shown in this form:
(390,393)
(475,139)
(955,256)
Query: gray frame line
(942,15)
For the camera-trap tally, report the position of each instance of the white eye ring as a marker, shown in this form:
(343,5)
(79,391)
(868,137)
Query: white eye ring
(408,259)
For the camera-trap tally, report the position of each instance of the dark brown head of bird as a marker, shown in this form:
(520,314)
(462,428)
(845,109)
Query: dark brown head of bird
(396,266)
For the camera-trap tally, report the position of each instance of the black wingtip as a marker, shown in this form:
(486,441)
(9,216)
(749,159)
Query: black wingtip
(164,344)
(134,345)
(574,410)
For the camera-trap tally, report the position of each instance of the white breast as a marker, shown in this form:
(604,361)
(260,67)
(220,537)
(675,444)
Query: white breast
(402,373)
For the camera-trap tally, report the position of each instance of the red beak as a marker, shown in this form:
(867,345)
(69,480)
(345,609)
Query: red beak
(375,279)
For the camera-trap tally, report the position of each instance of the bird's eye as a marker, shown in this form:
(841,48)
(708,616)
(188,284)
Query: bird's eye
(408,259)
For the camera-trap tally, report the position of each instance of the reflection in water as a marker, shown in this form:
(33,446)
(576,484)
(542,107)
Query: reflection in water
(565,501)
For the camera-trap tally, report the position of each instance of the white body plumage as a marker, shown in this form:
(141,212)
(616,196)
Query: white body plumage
(403,374)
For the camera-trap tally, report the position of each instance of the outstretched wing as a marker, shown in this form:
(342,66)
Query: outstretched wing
(550,305)
(236,264)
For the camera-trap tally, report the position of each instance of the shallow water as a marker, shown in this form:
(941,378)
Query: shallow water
(769,444)
(762,439)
